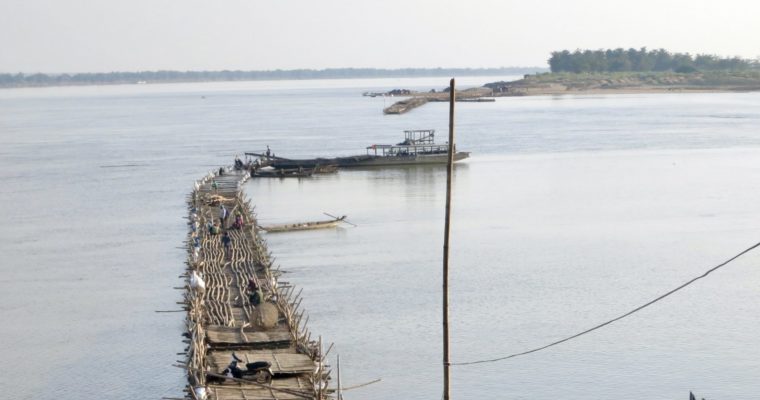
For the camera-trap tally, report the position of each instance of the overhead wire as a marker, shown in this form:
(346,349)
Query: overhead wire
(708,272)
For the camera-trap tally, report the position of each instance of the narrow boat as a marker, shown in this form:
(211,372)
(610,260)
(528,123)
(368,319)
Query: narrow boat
(418,147)
(303,225)
(269,172)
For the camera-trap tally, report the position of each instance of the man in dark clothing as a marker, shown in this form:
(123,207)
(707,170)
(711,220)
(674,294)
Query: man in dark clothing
(227,243)
(255,295)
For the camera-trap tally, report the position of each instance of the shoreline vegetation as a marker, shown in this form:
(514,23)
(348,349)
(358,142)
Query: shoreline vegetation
(634,71)
(19,80)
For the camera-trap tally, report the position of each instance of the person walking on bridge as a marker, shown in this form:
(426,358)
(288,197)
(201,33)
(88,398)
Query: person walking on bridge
(227,243)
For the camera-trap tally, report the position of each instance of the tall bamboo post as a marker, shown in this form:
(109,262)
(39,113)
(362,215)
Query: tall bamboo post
(340,387)
(446,229)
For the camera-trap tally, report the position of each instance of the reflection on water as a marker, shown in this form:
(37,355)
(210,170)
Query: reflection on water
(544,246)
(568,213)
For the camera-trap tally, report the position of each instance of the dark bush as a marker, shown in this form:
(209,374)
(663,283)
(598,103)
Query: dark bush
(685,69)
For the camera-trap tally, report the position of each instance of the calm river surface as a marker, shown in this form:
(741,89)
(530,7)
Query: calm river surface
(571,211)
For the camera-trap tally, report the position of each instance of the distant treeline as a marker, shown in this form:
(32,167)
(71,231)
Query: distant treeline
(643,60)
(39,79)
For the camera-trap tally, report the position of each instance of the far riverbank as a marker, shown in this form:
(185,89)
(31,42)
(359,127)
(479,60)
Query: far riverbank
(20,80)
(544,84)
(628,82)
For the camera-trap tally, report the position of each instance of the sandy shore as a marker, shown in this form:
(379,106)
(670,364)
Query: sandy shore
(549,84)
(630,90)
(629,82)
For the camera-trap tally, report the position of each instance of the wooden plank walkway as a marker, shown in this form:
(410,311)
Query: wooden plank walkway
(221,319)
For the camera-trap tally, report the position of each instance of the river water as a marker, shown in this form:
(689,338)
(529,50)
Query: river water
(571,211)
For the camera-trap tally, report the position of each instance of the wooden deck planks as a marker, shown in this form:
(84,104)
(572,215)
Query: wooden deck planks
(230,335)
(282,363)
(236,391)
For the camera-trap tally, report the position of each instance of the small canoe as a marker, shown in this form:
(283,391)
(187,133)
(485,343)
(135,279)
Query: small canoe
(304,225)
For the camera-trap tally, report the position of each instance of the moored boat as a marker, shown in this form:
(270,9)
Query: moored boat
(302,226)
(418,147)
(269,172)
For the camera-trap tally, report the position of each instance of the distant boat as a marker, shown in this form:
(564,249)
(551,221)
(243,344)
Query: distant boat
(418,147)
(304,225)
(478,100)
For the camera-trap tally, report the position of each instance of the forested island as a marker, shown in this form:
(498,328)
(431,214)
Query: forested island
(643,60)
(634,71)
(8,80)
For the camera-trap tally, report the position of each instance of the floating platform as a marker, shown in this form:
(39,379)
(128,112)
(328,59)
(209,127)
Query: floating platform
(473,95)
(418,147)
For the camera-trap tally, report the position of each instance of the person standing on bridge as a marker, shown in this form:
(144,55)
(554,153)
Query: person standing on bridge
(223,214)
(227,243)
(238,224)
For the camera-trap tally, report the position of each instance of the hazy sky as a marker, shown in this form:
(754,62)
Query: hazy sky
(132,35)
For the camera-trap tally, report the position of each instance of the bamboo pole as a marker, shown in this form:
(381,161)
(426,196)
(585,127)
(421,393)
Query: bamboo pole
(447,228)
(340,394)
(321,366)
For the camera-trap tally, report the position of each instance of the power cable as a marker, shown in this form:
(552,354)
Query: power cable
(614,319)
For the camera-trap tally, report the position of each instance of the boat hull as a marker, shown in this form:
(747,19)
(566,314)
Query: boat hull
(282,173)
(370,160)
(305,226)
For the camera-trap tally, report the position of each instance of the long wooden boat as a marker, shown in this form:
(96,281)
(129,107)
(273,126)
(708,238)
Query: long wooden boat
(282,172)
(418,147)
(302,226)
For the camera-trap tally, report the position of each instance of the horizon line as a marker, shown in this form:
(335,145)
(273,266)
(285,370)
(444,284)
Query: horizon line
(284,70)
